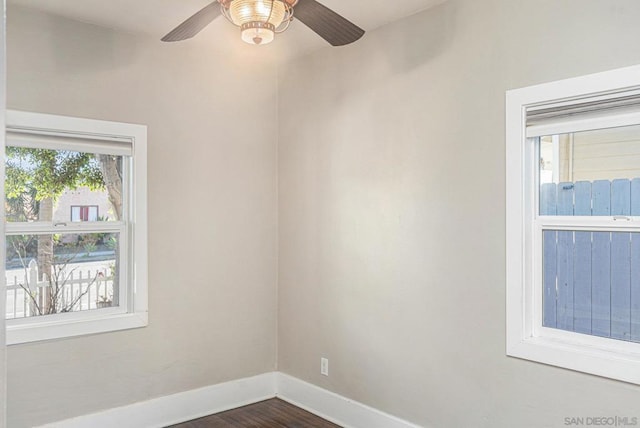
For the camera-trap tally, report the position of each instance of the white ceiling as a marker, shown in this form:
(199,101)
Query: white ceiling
(158,17)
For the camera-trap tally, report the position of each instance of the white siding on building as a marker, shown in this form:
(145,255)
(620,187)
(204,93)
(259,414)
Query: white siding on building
(82,196)
(606,154)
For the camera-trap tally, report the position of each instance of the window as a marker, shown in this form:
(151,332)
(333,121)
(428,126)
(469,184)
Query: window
(573,223)
(75,209)
(84,213)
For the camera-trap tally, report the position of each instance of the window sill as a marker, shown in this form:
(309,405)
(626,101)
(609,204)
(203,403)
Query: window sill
(63,328)
(610,363)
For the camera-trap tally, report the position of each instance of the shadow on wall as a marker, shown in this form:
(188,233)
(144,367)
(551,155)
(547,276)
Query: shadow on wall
(425,37)
(86,48)
(370,65)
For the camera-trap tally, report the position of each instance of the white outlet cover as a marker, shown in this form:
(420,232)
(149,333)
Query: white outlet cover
(324,366)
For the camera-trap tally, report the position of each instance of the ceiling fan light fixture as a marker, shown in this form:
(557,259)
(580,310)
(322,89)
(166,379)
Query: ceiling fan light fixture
(259,20)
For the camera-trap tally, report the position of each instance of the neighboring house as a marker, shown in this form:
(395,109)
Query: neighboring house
(606,154)
(82,204)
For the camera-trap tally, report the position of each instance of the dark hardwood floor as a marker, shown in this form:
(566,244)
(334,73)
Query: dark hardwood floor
(272,413)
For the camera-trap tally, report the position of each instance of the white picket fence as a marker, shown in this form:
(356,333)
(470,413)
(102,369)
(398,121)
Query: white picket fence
(77,290)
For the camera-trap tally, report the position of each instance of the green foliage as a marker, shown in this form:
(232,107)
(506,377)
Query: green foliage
(112,242)
(22,207)
(90,247)
(41,173)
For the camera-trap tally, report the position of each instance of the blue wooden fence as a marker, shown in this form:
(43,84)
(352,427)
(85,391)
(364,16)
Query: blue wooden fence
(591,280)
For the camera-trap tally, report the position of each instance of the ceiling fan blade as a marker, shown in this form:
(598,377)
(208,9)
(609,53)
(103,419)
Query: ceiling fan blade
(335,29)
(195,24)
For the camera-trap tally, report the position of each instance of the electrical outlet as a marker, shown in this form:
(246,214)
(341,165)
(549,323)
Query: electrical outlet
(324,366)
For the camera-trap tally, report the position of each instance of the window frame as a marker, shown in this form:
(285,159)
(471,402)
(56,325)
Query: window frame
(132,309)
(525,336)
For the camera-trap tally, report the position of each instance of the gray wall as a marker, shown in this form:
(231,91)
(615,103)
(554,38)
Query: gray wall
(212,213)
(391,202)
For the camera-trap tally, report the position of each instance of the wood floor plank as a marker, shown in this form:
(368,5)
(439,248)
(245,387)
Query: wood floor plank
(272,413)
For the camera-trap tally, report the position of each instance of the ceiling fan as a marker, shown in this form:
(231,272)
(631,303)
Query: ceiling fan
(260,20)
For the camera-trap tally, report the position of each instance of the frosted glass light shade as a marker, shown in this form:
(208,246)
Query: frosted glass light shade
(257,35)
(243,11)
(257,19)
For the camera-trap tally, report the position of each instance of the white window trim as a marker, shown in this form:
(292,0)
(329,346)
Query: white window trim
(525,336)
(133,313)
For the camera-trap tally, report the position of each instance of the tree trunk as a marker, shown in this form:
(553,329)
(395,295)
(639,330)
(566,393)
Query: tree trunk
(112,177)
(111,170)
(45,256)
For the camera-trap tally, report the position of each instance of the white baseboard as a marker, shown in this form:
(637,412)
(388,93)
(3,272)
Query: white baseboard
(180,407)
(333,407)
(185,406)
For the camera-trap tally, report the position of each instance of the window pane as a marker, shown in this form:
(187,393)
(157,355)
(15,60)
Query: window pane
(591,283)
(591,173)
(49,274)
(62,186)
(92,213)
(83,213)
